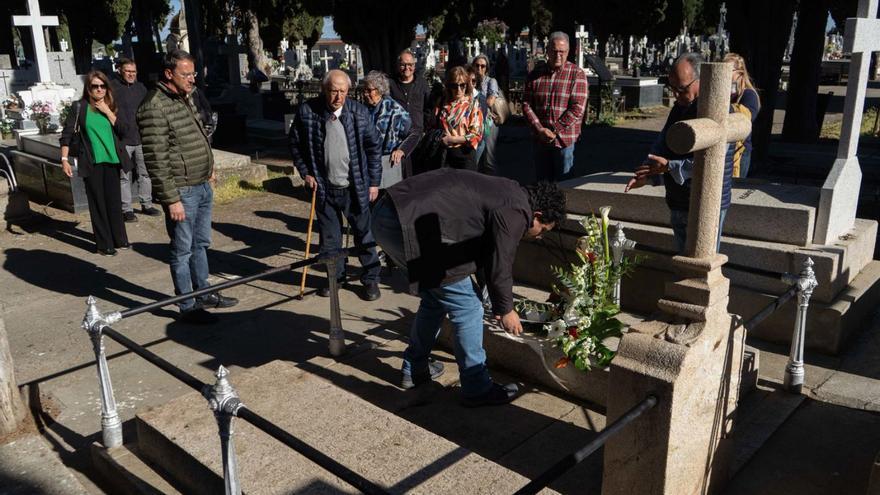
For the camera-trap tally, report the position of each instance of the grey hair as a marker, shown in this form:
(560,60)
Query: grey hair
(693,59)
(406,52)
(481,56)
(378,80)
(559,35)
(326,81)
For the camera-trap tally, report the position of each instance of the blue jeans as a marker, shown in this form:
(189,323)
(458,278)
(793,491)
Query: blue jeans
(552,163)
(338,203)
(190,240)
(458,300)
(745,161)
(679,220)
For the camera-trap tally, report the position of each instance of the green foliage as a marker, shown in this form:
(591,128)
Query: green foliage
(493,30)
(585,318)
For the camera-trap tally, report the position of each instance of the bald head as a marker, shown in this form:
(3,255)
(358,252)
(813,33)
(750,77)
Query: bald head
(336,85)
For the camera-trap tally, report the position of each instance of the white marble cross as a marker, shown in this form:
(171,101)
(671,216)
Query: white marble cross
(37,22)
(840,192)
(327,58)
(582,37)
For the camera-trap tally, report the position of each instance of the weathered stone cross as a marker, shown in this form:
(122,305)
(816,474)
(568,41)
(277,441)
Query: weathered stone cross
(37,22)
(840,192)
(707,137)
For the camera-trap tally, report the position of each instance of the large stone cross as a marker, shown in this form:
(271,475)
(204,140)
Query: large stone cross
(37,22)
(840,192)
(707,137)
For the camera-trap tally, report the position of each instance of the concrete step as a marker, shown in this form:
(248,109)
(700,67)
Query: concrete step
(127,473)
(830,325)
(181,437)
(233,165)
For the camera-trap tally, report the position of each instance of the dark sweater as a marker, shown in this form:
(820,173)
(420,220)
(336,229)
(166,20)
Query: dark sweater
(455,221)
(128,98)
(413,96)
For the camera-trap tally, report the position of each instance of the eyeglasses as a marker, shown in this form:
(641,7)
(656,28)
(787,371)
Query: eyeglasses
(681,89)
(337,92)
(480,66)
(456,85)
(370,90)
(97,86)
(408,65)
(127,71)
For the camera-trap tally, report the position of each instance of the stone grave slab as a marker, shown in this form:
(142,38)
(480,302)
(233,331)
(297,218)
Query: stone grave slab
(62,70)
(38,171)
(640,92)
(761,211)
(181,437)
(236,166)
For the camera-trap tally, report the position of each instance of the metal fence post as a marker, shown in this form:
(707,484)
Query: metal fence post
(337,337)
(619,244)
(794,370)
(94,323)
(224,401)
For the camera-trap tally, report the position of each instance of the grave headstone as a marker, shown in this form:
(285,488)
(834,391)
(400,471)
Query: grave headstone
(840,192)
(62,69)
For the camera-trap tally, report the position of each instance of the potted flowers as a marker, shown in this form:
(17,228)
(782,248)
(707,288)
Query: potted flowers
(582,318)
(41,113)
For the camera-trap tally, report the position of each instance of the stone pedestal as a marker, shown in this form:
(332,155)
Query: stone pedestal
(693,370)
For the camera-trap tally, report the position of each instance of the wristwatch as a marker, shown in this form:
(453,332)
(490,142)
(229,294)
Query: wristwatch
(64,159)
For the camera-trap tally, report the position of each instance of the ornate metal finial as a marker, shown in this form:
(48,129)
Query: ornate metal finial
(619,244)
(222,398)
(94,321)
(807,278)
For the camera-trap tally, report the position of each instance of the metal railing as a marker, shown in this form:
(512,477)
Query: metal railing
(576,457)
(221,396)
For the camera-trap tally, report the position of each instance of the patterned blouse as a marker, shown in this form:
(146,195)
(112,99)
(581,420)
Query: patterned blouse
(463,118)
(393,123)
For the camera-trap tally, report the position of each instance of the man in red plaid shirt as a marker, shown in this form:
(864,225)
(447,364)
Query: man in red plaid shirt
(554,101)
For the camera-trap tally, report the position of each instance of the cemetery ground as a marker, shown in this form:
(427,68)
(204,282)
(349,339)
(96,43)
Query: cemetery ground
(827,444)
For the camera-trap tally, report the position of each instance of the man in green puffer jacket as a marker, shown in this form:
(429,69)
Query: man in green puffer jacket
(181,166)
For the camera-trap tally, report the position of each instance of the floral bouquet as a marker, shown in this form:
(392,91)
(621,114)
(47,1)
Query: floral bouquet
(584,316)
(41,112)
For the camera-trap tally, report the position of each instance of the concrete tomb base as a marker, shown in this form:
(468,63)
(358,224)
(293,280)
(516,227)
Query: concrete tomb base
(767,232)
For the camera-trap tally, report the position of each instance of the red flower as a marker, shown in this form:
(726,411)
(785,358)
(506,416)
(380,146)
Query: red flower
(591,256)
(563,362)
(573,331)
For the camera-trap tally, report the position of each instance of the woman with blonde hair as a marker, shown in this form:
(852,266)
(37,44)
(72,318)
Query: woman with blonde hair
(459,121)
(744,99)
(91,136)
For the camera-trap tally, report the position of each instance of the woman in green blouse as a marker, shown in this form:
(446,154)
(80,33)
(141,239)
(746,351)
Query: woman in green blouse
(99,159)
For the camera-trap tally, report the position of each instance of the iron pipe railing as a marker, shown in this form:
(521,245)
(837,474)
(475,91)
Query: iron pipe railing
(576,457)
(241,411)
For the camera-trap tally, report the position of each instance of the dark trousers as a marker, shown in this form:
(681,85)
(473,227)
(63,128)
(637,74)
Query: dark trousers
(463,157)
(339,203)
(105,206)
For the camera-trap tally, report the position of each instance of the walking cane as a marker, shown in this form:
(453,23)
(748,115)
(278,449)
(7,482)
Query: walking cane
(302,284)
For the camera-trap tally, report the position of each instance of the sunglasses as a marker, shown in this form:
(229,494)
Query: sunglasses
(480,66)
(456,85)
(97,86)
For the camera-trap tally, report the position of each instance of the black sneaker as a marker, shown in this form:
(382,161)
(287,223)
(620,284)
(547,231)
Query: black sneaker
(129,217)
(371,292)
(408,381)
(216,300)
(107,252)
(125,246)
(151,211)
(198,316)
(496,396)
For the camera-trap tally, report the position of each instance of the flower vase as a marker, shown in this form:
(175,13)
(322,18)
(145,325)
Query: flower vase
(43,126)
